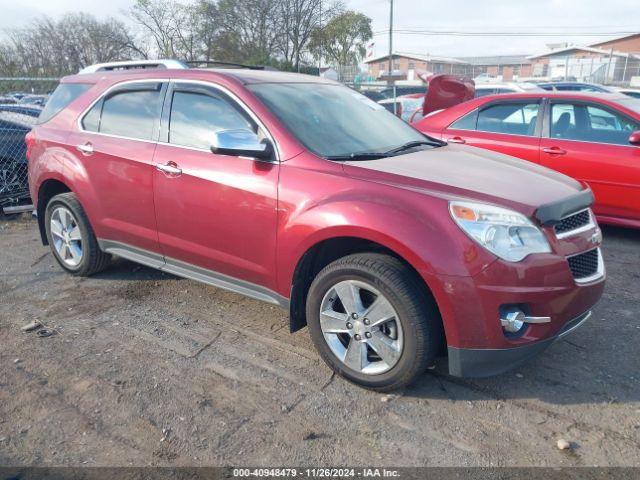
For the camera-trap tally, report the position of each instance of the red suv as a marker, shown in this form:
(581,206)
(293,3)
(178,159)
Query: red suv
(391,246)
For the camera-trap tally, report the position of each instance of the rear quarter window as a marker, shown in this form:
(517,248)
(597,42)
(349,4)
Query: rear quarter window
(130,112)
(60,98)
(468,122)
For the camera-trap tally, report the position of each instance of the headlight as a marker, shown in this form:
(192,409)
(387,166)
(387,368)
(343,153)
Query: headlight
(505,233)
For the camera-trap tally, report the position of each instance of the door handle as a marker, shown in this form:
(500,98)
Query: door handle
(554,151)
(170,168)
(85,148)
(457,140)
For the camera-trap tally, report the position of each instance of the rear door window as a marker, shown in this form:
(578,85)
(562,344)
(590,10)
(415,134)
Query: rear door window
(63,95)
(590,123)
(509,118)
(606,126)
(131,112)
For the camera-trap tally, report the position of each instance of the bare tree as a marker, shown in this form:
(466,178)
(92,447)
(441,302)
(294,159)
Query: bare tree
(53,48)
(207,29)
(158,22)
(176,30)
(284,33)
(250,27)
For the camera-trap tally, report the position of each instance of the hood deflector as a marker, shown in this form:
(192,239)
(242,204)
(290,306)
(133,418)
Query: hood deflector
(552,213)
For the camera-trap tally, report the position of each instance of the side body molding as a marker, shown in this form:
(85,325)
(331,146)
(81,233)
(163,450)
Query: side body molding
(193,272)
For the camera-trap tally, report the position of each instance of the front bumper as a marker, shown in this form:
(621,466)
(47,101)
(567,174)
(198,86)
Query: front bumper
(485,362)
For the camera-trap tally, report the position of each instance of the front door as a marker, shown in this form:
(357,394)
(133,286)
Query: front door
(590,142)
(215,212)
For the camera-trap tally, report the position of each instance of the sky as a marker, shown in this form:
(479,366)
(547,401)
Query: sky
(531,17)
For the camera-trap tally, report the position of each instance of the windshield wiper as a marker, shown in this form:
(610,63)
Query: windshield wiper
(358,156)
(410,145)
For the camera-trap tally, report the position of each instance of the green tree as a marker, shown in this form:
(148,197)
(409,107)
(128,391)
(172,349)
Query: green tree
(343,39)
(250,28)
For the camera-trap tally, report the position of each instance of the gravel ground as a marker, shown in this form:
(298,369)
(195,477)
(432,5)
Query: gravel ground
(148,369)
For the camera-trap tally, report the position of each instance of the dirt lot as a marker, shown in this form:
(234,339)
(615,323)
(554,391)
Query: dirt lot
(149,369)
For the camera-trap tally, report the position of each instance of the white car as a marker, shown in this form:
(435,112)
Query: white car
(408,107)
(508,87)
(630,92)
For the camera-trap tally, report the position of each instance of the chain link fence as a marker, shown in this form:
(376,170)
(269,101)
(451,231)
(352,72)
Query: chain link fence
(612,69)
(601,67)
(21,101)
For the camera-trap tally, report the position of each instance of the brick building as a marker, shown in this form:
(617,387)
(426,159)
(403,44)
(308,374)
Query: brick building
(626,44)
(505,67)
(405,64)
(615,61)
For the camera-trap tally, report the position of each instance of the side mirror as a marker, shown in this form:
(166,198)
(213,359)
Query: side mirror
(241,143)
(634,139)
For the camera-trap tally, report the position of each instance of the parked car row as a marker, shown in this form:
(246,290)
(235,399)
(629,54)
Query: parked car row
(587,131)
(592,137)
(588,88)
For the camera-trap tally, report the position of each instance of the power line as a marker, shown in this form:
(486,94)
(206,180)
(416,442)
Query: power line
(531,27)
(502,34)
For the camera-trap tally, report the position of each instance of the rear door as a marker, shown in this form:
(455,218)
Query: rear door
(511,127)
(115,146)
(589,141)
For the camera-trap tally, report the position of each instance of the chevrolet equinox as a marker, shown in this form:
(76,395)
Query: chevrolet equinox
(392,247)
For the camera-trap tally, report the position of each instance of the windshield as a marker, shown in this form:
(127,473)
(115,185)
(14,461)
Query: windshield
(631,103)
(335,121)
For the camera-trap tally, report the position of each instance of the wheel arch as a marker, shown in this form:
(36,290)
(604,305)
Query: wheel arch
(48,189)
(324,252)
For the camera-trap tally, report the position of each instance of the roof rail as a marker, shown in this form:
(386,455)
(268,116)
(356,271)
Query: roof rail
(195,63)
(133,65)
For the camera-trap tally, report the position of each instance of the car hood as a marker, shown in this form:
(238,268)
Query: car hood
(463,172)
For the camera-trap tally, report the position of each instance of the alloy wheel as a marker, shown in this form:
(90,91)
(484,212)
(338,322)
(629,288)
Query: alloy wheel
(361,327)
(66,236)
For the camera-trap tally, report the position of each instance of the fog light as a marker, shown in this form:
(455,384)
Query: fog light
(513,321)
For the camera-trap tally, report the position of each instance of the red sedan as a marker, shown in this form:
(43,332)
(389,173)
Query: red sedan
(591,137)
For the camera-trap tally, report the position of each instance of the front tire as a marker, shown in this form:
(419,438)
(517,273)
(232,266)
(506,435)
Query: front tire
(372,321)
(71,237)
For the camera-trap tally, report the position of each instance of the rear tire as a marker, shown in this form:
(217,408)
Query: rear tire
(71,237)
(394,342)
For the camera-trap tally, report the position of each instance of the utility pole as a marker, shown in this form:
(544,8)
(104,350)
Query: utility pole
(390,73)
(624,72)
(606,80)
(321,37)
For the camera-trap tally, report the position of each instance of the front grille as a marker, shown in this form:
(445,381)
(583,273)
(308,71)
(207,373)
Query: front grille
(585,264)
(573,222)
